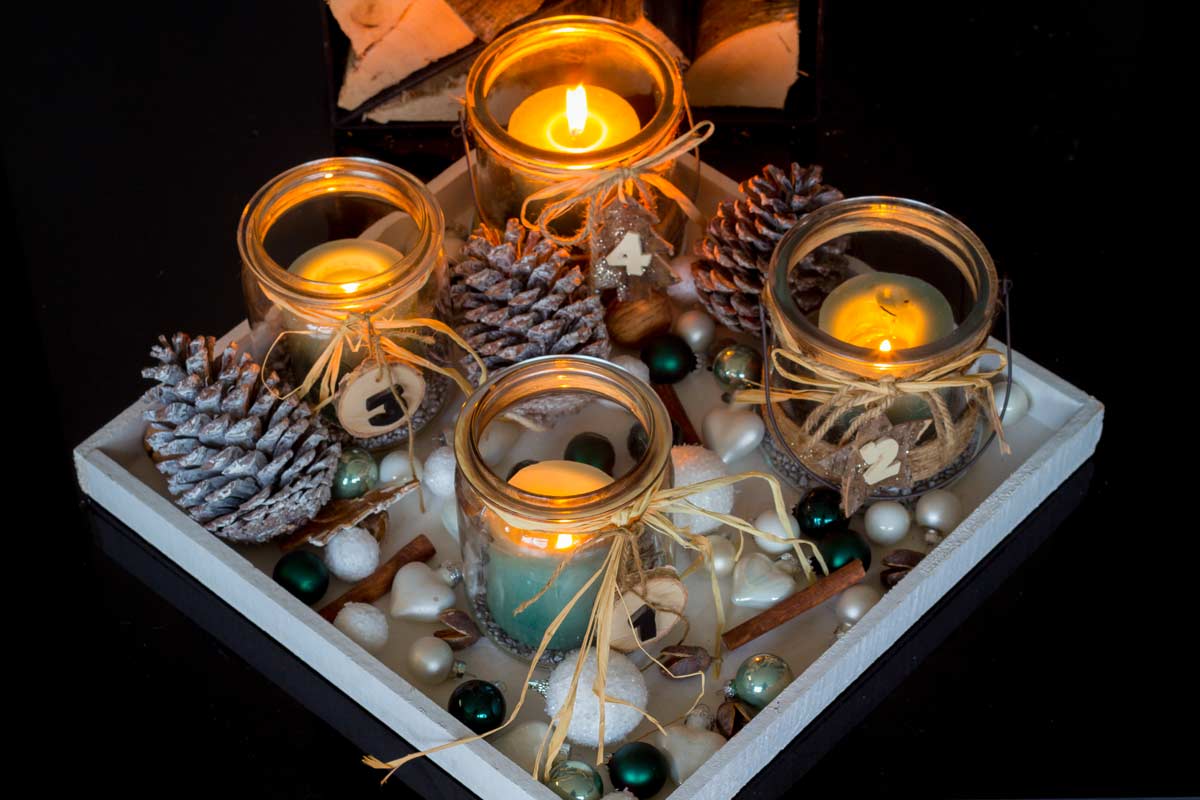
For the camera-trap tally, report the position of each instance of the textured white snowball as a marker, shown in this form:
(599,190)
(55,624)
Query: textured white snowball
(497,441)
(768,522)
(352,555)
(694,464)
(684,290)
(363,623)
(396,468)
(625,682)
(439,472)
(634,365)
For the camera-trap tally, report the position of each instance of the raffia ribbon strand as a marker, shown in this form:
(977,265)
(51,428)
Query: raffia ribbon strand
(593,189)
(650,510)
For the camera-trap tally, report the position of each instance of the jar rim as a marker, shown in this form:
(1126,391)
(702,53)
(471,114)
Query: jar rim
(878,213)
(351,175)
(492,62)
(488,402)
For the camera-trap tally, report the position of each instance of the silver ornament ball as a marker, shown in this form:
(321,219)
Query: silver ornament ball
(431,660)
(855,602)
(724,556)
(940,509)
(768,522)
(696,328)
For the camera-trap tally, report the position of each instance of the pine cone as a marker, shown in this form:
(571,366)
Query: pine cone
(740,238)
(518,296)
(247,466)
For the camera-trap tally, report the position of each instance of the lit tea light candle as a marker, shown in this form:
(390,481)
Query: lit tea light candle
(344,264)
(522,561)
(576,119)
(886,311)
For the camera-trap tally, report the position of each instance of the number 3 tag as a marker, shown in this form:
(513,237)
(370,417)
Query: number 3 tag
(880,456)
(628,254)
(366,406)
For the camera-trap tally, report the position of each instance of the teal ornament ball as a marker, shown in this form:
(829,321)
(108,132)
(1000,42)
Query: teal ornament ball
(737,365)
(639,767)
(820,513)
(839,548)
(520,465)
(575,780)
(669,358)
(479,705)
(592,449)
(638,440)
(761,678)
(357,473)
(303,574)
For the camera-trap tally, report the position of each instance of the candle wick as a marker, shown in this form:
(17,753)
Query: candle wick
(884,310)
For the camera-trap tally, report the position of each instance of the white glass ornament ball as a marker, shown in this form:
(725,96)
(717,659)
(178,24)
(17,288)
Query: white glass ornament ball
(430,660)
(768,522)
(856,601)
(939,509)
(887,522)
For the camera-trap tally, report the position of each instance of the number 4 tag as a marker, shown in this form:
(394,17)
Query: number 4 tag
(628,254)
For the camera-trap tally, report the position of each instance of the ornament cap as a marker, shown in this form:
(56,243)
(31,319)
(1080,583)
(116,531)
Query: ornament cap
(451,572)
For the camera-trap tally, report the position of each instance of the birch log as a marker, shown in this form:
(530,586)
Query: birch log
(747,54)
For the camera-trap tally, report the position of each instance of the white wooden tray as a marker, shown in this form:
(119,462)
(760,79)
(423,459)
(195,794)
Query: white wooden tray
(1059,433)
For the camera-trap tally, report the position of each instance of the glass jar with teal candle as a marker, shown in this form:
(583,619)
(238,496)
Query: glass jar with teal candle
(532,539)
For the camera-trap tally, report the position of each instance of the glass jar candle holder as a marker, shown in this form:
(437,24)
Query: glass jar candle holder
(525,137)
(347,239)
(918,296)
(547,520)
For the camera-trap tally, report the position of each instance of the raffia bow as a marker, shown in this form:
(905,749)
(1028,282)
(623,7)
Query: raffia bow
(838,392)
(380,337)
(652,510)
(595,189)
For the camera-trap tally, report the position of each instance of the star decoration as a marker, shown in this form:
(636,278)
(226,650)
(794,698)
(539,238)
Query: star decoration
(877,458)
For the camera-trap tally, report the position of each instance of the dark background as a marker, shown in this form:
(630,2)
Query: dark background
(134,135)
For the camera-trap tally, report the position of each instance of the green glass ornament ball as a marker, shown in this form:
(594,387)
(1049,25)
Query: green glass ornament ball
(820,513)
(303,574)
(761,678)
(478,704)
(592,449)
(839,548)
(638,440)
(736,365)
(669,358)
(639,767)
(357,473)
(575,780)
(520,465)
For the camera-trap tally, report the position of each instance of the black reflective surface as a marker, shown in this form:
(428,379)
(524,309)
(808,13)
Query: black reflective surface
(132,138)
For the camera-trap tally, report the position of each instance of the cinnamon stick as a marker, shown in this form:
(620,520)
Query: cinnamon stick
(670,399)
(840,579)
(379,582)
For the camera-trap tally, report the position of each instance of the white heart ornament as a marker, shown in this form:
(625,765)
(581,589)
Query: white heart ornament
(732,433)
(419,594)
(759,583)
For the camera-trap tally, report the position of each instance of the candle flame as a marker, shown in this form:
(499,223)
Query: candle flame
(885,346)
(577,110)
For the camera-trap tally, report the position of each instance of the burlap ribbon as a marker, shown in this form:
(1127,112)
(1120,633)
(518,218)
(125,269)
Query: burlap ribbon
(593,190)
(837,391)
(650,511)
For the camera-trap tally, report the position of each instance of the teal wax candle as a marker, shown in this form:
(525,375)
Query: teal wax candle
(517,572)
(521,562)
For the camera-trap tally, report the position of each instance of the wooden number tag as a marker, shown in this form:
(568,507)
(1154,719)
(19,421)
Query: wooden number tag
(366,406)
(880,456)
(628,254)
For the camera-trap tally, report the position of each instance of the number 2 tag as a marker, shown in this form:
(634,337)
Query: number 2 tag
(628,254)
(880,456)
